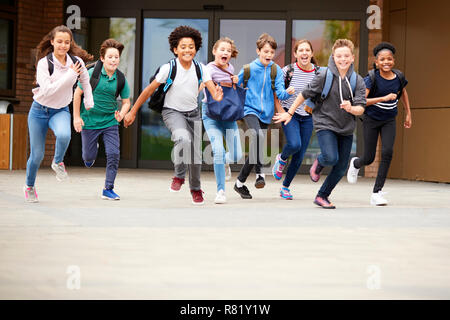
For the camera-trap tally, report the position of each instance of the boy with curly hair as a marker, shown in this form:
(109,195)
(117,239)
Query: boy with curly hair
(181,111)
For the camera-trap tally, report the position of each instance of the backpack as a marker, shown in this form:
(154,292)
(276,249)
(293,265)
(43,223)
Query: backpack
(290,74)
(156,102)
(95,77)
(273,74)
(397,72)
(310,103)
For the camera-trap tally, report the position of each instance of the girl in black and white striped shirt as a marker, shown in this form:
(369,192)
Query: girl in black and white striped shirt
(298,131)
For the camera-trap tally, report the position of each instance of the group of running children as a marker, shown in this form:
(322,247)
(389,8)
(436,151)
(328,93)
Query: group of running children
(337,92)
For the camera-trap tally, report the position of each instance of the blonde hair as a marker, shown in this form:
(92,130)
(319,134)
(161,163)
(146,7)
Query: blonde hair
(234,50)
(339,43)
(264,39)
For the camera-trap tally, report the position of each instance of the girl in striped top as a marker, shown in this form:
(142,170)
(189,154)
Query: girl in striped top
(379,117)
(298,131)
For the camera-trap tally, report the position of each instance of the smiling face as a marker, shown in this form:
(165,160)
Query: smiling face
(61,44)
(266,54)
(385,60)
(222,54)
(303,54)
(111,60)
(343,58)
(185,50)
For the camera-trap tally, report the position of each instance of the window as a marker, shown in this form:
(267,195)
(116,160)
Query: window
(7,70)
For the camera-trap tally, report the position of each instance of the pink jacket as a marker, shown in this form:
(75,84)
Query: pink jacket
(56,91)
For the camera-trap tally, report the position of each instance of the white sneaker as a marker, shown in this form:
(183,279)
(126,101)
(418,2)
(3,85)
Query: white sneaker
(352,173)
(227,172)
(220,197)
(60,169)
(30,194)
(377,199)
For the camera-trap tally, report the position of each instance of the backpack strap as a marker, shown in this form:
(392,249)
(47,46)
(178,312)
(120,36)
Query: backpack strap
(199,71)
(120,82)
(273,75)
(289,75)
(51,66)
(172,74)
(373,85)
(327,86)
(95,77)
(353,79)
(246,74)
(402,79)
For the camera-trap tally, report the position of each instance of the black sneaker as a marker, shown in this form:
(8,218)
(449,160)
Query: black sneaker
(243,192)
(260,182)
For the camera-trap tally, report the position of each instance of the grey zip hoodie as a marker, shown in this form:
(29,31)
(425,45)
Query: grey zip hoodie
(329,115)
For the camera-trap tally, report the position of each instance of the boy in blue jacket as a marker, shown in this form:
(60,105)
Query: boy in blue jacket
(259,107)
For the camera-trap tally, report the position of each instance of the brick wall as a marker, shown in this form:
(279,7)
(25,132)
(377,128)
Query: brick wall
(35,18)
(375,36)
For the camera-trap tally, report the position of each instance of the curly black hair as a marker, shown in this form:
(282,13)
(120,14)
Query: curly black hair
(382,46)
(184,32)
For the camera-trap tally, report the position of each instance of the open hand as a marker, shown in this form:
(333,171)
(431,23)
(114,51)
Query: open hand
(76,67)
(282,117)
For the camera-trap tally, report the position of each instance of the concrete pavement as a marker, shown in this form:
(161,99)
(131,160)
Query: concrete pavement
(153,244)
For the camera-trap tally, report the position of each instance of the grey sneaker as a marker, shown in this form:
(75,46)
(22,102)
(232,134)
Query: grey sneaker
(60,169)
(30,194)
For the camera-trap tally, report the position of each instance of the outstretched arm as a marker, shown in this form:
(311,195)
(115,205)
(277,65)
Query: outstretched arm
(145,94)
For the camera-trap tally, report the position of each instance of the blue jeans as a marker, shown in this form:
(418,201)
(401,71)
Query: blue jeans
(89,140)
(40,118)
(216,130)
(298,133)
(335,151)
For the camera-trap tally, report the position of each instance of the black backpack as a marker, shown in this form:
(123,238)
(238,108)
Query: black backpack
(95,77)
(156,102)
(373,88)
(290,74)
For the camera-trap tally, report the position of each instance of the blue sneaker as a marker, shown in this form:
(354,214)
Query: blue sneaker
(89,164)
(278,167)
(285,193)
(109,194)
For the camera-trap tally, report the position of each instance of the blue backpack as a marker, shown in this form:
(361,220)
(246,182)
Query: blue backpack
(310,103)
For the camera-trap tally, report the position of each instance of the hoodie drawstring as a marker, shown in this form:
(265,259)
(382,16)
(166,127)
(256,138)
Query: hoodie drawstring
(340,88)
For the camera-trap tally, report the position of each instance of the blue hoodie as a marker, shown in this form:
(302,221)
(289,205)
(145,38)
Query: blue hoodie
(259,99)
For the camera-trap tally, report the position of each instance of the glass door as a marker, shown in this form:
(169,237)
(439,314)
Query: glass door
(155,143)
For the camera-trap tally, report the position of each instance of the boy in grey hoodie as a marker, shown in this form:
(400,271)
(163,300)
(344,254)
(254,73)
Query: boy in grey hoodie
(334,117)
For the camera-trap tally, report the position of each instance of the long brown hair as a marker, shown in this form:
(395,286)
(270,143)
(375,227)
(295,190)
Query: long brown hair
(45,46)
(299,42)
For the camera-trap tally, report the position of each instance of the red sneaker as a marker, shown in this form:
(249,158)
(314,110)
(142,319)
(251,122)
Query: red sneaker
(314,171)
(197,197)
(176,184)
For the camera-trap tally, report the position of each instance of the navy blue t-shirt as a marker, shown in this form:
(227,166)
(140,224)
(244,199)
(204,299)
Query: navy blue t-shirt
(383,110)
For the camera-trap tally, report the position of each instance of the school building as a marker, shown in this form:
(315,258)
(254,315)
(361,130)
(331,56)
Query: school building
(419,30)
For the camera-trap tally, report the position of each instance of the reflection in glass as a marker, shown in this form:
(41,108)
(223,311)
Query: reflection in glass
(6,44)
(322,34)
(246,32)
(155,137)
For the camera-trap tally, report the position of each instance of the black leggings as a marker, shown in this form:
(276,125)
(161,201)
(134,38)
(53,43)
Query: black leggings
(372,128)
(257,132)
